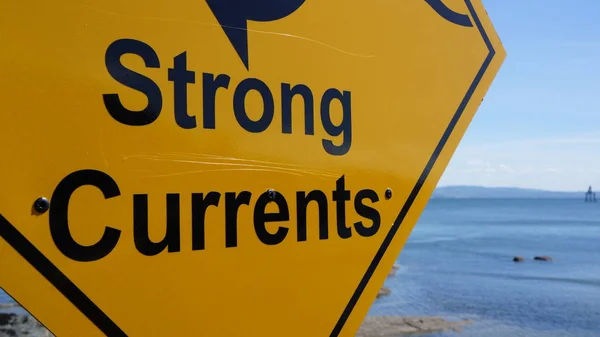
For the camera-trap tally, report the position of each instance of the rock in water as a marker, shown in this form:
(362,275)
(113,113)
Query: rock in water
(384,291)
(394,269)
(13,325)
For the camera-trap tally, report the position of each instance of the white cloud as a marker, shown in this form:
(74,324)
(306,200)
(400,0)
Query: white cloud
(505,168)
(565,163)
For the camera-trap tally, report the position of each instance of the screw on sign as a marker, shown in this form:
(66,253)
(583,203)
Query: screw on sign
(204,166)
(41,205)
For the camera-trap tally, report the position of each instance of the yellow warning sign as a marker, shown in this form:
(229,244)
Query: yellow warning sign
(224,167)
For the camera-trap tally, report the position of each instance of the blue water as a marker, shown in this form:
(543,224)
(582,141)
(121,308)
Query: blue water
(4,298)
(457,263)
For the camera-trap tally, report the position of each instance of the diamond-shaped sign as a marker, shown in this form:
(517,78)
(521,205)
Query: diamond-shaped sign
(225,168)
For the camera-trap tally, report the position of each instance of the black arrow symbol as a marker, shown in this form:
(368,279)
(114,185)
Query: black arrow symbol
(448,14)
(233,16)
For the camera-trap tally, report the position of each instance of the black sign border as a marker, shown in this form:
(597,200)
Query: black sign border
(88,308)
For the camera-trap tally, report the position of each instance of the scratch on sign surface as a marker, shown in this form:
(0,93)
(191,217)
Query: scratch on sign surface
(249,30)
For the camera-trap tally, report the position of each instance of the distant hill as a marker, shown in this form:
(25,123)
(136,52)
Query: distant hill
(502,192)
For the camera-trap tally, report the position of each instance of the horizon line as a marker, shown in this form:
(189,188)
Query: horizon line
(515,188)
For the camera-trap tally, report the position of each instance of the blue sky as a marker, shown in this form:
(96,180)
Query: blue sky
(539,125)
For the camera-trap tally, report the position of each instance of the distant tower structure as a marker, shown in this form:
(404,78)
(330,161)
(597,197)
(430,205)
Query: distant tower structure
(590,196)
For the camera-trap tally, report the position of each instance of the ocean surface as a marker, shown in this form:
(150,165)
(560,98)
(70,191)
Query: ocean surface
(458,264)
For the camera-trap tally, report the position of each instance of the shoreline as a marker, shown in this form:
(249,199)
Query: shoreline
(398,326)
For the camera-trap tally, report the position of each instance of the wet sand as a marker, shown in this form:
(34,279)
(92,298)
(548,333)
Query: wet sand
(396,326)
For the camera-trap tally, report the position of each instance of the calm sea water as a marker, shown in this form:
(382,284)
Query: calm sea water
(458,264)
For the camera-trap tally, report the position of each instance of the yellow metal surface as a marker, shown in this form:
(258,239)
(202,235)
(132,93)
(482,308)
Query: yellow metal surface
(184,120)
